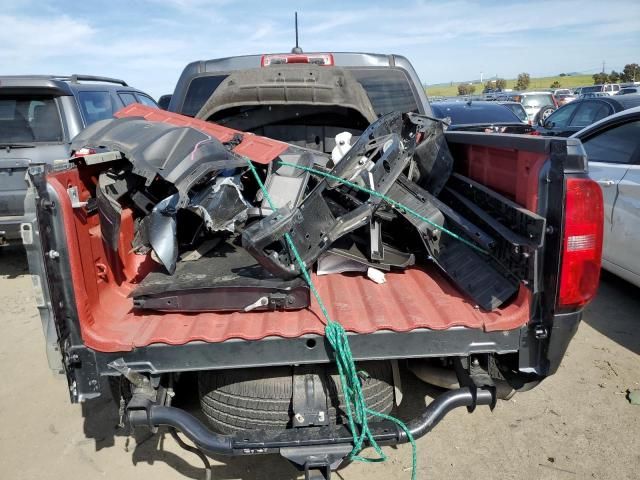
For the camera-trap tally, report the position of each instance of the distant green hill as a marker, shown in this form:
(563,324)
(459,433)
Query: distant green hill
(536,83)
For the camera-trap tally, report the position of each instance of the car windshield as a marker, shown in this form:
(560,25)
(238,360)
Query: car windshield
(537,100)
(30,119)
(464,114)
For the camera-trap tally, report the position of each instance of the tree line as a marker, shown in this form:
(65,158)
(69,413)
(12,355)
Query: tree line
(630,73)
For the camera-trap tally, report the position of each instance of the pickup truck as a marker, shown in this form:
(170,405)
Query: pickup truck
(480,326)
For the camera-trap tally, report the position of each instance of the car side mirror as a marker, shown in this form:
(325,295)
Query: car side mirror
(163,101)
(547,124)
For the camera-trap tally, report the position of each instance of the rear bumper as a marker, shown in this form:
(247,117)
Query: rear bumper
(146,414)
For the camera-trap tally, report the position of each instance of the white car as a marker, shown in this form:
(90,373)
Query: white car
(613,151)
(538,105)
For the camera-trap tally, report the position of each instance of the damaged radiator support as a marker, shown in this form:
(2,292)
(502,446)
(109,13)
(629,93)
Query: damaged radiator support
(312,225)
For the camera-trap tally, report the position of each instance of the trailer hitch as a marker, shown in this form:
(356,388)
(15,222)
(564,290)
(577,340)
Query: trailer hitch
(316,450)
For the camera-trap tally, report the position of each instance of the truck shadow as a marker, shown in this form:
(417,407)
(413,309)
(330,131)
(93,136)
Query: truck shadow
(101,419)
(101,424)
(614,312)
(13,261)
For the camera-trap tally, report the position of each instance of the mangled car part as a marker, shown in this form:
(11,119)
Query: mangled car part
(225,279)
(208,201)
(286,185)
(180,156)
(221,204)
(377,158)
(473,272)
(432,156)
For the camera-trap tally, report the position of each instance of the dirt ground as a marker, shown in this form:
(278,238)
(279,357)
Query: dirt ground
(575,425)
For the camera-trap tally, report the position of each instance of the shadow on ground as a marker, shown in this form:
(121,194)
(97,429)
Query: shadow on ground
(101,420)
(614,312)
(13,261)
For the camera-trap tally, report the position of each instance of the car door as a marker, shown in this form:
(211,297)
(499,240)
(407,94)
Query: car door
(613,163)
(557,123)
(589,112)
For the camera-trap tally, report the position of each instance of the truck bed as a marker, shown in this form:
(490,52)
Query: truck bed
(418,298)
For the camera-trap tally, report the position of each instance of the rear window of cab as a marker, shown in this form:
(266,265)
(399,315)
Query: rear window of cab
(388,90)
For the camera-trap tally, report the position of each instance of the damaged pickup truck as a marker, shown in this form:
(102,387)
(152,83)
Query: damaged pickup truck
(176,246)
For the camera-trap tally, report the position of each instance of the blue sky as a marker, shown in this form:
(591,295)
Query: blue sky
(148,42)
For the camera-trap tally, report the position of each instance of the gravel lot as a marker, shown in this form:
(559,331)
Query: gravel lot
(577,425)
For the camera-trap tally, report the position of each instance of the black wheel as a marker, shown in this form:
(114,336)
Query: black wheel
(543,114)
(261,398)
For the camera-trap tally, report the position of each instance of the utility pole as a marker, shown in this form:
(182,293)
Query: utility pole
(480,77)
(603,66)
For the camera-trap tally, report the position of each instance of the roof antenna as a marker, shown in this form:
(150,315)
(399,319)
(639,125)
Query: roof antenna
(297,48)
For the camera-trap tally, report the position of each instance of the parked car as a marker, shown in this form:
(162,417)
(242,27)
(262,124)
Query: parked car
(593,95)
(628,91)
(607,88)
(39,115)
(265,373)
(580,113)
(613,151)
(564,98)
(538,105)
(481,116)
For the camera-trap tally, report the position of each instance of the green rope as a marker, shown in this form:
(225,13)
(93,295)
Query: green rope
(397,205)
(357,410)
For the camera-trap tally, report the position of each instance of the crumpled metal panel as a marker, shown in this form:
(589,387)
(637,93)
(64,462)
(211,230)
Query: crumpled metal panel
(258,149)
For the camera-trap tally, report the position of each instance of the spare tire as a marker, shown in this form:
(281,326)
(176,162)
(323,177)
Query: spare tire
(261,398)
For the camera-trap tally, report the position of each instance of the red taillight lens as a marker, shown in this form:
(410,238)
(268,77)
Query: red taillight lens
(582,243)
(324,59)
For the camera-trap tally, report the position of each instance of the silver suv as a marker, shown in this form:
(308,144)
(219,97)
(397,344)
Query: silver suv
(39,115)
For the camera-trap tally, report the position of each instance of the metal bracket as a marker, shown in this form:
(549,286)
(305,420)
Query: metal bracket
(317,462)
(472,374)
(75,197)
(309,398)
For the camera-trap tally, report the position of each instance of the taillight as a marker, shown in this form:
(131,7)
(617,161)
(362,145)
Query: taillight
(582,243)
(323,59)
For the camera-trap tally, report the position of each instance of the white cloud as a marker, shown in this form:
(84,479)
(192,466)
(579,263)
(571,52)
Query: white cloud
(25,39)
(444,40)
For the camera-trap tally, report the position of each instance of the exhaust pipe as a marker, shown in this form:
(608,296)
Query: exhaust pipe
(447,378)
